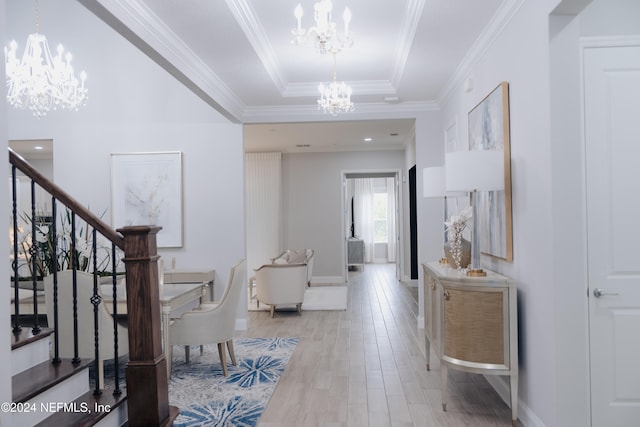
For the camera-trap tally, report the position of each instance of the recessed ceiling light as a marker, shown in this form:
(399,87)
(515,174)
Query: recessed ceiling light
(368,139)
(38,147)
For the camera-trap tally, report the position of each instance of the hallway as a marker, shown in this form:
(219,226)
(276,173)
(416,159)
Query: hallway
(366,367)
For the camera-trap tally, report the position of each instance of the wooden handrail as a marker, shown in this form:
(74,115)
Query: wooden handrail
(84,213)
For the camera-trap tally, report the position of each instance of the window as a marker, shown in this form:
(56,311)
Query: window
(380,205)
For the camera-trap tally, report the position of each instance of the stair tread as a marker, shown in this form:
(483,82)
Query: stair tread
(41,377)
(26,336)
(85,410)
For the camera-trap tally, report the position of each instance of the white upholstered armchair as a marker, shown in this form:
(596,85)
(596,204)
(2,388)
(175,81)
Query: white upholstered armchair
(302,256)
(281,284)
(213,323)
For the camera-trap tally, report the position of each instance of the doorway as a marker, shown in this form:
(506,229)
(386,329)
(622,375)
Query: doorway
(372,207)
(413,222)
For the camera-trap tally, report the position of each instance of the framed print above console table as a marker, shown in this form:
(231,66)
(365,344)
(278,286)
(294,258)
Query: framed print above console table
(489,130)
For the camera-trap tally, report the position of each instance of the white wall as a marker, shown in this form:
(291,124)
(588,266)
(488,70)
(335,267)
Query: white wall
(571,345)
(429,152)
(610,18)
(135,106)
(312,201)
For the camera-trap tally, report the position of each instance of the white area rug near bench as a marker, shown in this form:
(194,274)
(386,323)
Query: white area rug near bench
(315,298)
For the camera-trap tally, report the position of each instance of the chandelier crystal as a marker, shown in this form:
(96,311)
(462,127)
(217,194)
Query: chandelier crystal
(42,82)
(336,97)
(325,36)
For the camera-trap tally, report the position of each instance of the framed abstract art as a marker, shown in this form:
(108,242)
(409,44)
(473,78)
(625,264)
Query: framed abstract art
(489,130)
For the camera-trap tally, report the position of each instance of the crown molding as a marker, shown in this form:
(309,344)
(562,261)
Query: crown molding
(609,41)
(487,38)
(408,32)
(309,112)
(250,25)
(252,29)
(370,87)
(140,26)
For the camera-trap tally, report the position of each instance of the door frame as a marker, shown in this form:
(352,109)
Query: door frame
(412,177)
(364,173)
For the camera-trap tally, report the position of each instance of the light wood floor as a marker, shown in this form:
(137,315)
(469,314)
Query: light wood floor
(366,367)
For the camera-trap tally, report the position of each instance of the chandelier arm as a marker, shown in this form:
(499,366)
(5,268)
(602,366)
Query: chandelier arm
(334,68)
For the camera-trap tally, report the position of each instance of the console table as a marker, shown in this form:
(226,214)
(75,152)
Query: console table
(472,324)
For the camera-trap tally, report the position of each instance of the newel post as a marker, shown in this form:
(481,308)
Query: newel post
(146,373)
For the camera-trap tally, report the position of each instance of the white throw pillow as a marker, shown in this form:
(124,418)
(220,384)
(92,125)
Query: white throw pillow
(297,258)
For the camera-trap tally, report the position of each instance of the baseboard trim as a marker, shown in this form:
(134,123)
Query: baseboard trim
(526,416)
(411,283)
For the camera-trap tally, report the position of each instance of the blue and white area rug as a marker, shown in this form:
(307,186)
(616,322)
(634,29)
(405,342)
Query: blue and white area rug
(206,397)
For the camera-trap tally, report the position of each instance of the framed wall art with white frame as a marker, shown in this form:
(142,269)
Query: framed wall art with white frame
(146,189)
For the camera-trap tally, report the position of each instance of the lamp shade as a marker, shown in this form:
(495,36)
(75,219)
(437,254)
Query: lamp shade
(481,170)
(433,181)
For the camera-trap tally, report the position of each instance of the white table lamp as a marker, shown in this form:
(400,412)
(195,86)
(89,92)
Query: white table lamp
(473,171)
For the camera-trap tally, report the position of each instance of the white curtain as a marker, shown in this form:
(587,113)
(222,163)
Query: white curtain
(391,220)
(263,193)
(363,207)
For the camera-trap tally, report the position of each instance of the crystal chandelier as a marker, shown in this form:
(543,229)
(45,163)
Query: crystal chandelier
(325,37)
(42,82)
(336,97)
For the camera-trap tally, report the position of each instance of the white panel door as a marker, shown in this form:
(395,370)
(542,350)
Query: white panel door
(612,135)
